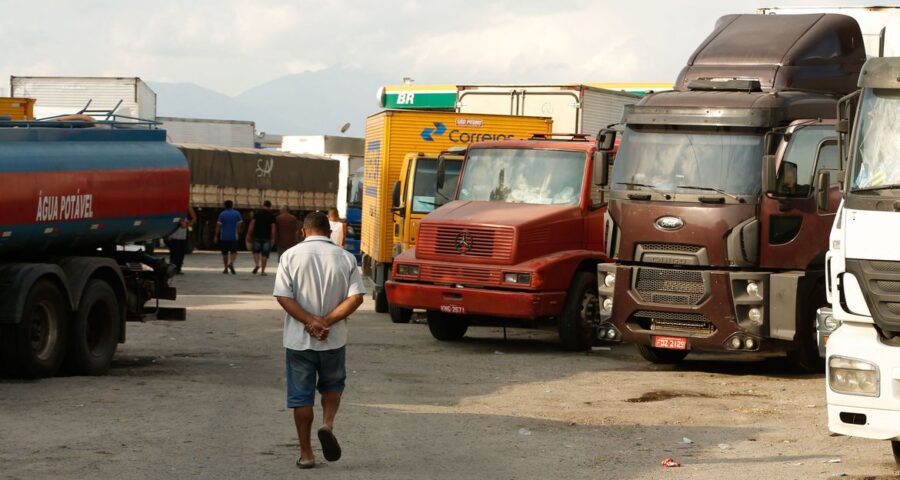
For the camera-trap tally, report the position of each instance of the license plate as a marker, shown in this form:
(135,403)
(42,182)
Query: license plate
(671,343)
(454,309)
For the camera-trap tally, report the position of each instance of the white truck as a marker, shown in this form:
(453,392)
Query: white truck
(124,96)
(877,24)
(863,264)
(223,133)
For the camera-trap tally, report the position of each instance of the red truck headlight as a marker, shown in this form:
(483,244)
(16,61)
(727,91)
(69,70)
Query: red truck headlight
(517,278)
(406,270)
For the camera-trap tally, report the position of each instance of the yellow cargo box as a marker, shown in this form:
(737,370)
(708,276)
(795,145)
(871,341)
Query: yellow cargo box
(390,136)
(17,108)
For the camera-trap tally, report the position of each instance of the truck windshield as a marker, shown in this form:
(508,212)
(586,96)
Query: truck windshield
(523,175)
(670,159)
(426,197)
(877,142)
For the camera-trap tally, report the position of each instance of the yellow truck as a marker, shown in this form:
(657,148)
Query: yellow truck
(391,135)
(17,109)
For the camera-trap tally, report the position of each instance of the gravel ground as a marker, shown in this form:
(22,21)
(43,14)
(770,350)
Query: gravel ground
(205,399)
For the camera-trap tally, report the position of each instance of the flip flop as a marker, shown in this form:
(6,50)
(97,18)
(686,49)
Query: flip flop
(304,464)
(330,447)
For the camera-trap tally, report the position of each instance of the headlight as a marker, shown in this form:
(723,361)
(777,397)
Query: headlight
(610,280)
(517,278)
(607,304)
(408,270)
(755,316)
(753,289)
(853,377)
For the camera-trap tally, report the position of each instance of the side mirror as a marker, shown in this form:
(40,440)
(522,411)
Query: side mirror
(601,169)
(441,175)
(769,174)
(395,195)
(823,181)
(606,140)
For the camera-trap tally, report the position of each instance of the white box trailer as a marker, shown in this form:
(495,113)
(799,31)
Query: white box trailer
(349,151)
(67,95)
(880,25)
(573,108)
(225,133)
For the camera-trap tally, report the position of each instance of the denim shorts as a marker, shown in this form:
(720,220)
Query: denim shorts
(308,370)
(262,246)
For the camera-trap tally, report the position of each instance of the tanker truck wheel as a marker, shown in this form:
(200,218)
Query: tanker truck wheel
(95,330)
(661,356)
(447,328)
(400,314)
(35,347)
(579,315)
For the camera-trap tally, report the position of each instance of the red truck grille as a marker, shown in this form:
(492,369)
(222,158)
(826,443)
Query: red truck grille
(453,274)
(478,242)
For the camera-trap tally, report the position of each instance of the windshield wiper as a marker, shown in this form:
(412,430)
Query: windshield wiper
(632,184)
(711,189)
(875,189)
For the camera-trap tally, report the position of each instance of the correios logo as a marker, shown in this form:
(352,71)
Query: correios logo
(458,136)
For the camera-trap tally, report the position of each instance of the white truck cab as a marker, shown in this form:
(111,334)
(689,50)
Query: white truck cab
(863,263)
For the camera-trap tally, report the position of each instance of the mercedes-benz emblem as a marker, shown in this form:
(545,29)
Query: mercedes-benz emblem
(463,242)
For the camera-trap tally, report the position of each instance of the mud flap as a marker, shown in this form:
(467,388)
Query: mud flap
(783,288)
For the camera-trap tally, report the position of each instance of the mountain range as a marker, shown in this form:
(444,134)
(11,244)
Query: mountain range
(309,103)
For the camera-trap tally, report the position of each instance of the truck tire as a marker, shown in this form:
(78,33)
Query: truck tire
(805,356)
(661,356)
(447,328)
(95,330)
(381,302)
(400,314)
(895,446)
(577,321)
(35,347)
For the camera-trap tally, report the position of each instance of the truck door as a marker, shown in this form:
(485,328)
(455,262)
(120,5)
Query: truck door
(794,231)
(422,195)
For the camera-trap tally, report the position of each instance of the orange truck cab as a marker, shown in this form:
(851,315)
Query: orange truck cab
(519,245)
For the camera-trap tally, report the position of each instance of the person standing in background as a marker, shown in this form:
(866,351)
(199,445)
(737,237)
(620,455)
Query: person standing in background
(262,234)
(178,240)
(227,234)
(287,229)
(338,228)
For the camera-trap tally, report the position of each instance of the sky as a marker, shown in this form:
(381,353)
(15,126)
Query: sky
(231,46)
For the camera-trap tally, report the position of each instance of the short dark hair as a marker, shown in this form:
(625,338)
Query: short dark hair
(229,204)
(317,222)
(267,204)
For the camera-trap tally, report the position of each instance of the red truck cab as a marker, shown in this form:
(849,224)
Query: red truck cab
(519,245)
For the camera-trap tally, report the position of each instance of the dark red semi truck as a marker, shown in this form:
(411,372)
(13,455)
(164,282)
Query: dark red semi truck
(724,192)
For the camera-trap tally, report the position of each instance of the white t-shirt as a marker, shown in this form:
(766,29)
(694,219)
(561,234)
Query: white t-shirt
(337,233)
(319,275)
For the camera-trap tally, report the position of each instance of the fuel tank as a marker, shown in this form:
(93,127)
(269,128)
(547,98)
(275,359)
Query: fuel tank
(69,189)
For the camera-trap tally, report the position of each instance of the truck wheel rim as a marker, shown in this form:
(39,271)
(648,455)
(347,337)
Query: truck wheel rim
(589,308)
(43,331)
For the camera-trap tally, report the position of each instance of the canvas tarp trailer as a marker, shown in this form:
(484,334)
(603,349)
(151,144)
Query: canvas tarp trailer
(250,176)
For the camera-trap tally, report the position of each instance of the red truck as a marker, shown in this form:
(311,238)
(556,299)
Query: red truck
(725,190)
(519,245)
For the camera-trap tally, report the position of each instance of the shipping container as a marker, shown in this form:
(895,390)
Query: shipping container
(390,136)
(880,25)
(67,95)
(573,108)
(225,133)
(17,108)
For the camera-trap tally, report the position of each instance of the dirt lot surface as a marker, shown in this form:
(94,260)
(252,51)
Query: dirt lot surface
(205,399)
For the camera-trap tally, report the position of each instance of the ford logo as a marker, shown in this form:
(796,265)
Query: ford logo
(669,223)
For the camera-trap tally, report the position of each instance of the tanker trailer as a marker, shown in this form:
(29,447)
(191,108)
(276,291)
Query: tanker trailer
(72,191)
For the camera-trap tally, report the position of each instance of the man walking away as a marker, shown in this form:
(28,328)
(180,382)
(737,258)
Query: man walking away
(338,228)
(262,234)
(287,226)
(227,234)
(318,286)
(178,240)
